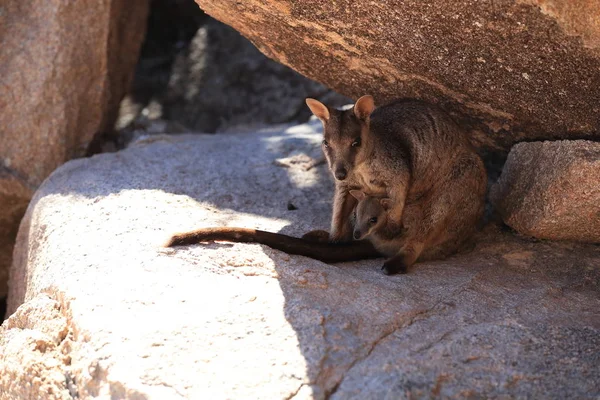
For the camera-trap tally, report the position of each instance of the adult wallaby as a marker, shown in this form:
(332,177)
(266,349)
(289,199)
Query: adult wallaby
(410,152)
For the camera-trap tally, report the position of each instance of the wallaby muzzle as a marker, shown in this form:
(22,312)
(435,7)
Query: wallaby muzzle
(358,234)
(340,173)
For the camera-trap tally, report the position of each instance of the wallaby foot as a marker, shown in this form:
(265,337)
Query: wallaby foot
(406,257)
(394,265)
(317,236)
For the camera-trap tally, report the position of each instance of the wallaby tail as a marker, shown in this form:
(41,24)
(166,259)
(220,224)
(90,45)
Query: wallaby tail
(326,252)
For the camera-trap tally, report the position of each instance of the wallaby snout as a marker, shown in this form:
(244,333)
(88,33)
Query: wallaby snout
(340,173)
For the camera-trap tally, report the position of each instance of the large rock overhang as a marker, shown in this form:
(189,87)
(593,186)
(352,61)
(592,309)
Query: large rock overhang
(509,70)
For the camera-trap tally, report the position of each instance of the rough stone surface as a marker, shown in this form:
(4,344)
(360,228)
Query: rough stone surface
(509,69)
(551,190)
(36,352)
(64,68)
(510,319)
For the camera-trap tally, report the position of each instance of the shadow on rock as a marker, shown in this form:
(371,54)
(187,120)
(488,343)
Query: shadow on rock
(495,321)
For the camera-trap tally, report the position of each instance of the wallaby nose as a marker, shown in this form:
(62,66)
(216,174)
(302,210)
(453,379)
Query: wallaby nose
(340,174)
(356,235)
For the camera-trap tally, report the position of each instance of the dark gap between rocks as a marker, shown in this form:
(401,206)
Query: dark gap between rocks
(196,74)
(2,309)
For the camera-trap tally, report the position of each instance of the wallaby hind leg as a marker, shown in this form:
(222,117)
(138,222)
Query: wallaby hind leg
(406,257)
(444,220)
(466,199)
(398,194)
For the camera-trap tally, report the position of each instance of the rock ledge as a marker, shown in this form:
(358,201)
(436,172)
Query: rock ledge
(102,311)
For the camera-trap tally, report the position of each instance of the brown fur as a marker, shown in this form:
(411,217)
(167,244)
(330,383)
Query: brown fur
(415,155)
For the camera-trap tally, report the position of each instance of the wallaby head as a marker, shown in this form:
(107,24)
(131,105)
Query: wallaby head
(344,133)
(370,213)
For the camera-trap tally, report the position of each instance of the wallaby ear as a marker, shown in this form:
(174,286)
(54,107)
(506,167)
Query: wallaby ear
(358,194)
(319,109)
(364,107)
(386,203)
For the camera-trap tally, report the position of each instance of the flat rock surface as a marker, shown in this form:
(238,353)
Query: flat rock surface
(123,317)
(551,190)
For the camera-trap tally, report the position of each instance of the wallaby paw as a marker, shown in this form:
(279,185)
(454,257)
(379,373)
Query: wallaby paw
(397,229)
(394,268)
(318,236)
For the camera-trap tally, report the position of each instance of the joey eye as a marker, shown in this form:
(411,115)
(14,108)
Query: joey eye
(325,143)
(373,220)
(356,143)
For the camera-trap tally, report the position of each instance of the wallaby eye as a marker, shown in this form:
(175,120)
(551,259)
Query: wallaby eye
(356,142)
(373,220)
(325,143)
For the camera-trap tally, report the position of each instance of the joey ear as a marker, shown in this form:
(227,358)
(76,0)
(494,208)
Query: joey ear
(319,109)
(386,203)
(358,195)
(363,107)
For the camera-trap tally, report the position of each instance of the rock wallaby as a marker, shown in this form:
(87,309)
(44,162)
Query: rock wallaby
(425,186)
(415,156)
